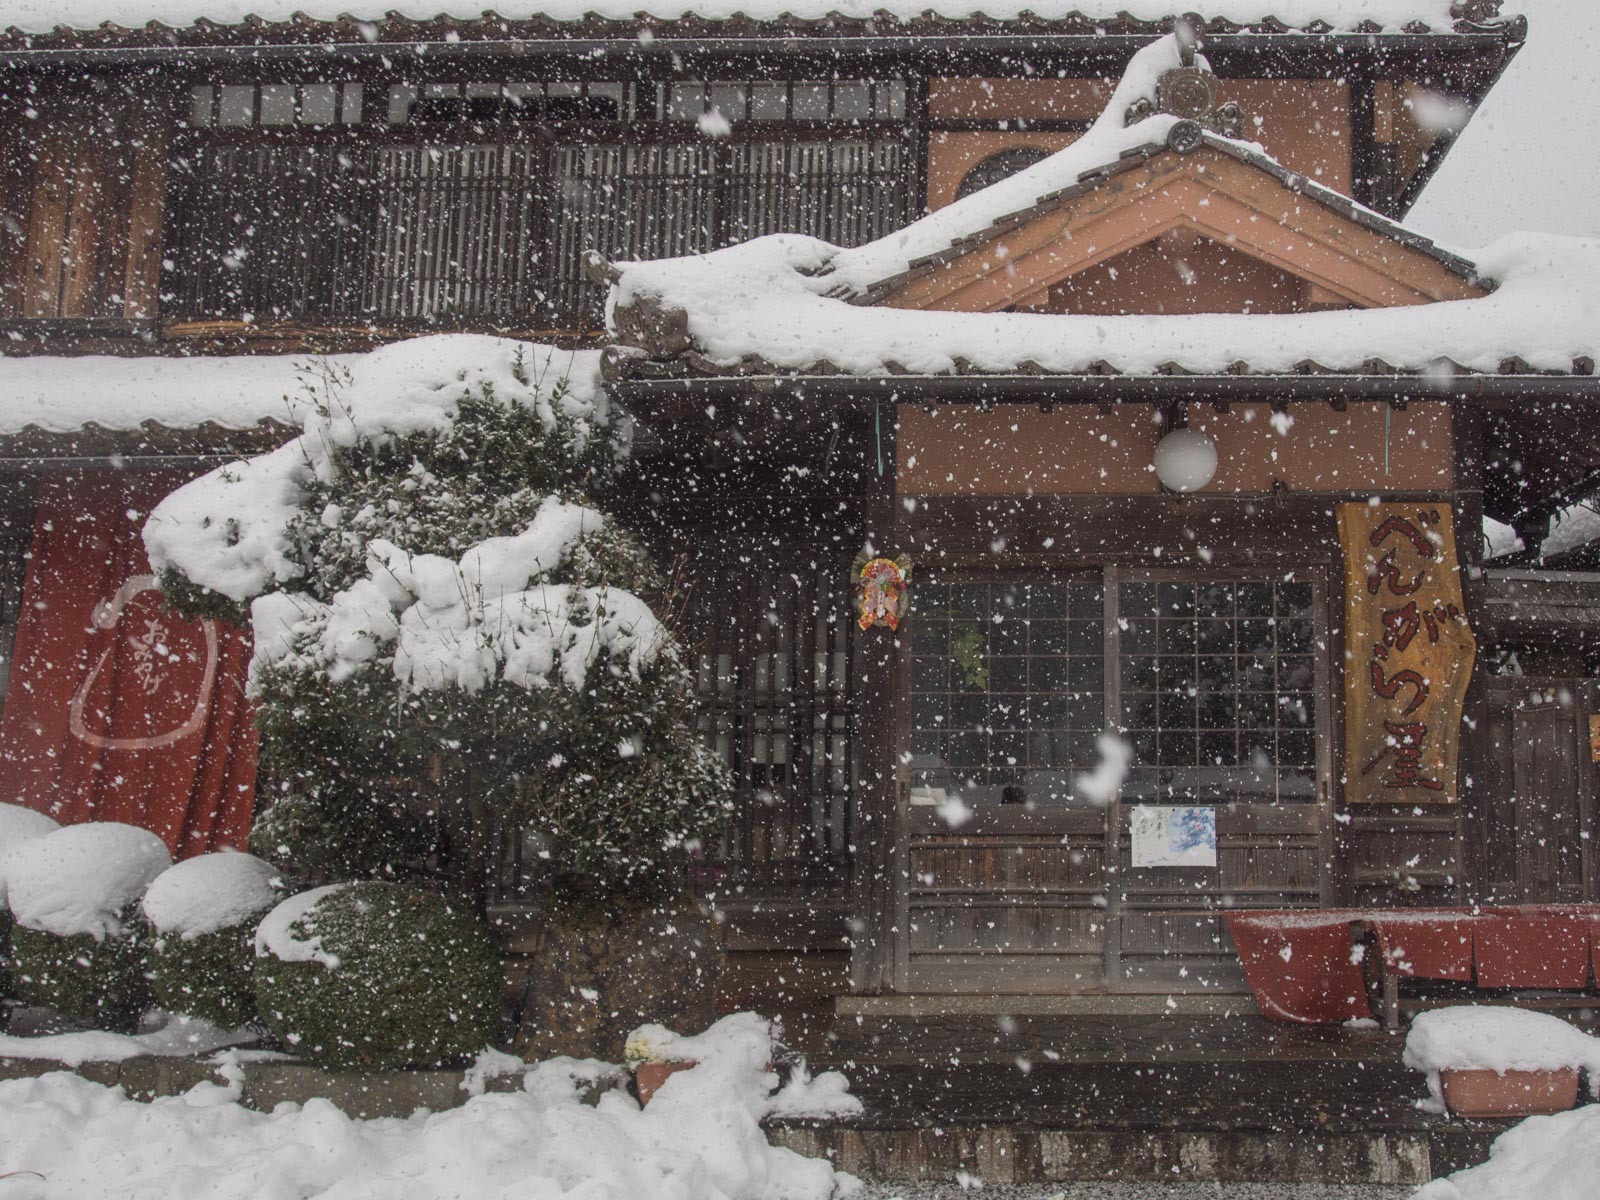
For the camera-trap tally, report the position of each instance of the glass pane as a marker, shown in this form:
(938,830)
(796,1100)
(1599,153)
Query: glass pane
(686,101)
(1232,670)
(238,106)
(277,104)
(728,99)
(851,102)
(351,113)
(201,100)
(769,101)
(810,102)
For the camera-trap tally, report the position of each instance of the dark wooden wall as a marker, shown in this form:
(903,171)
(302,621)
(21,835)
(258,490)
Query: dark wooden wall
(84,169)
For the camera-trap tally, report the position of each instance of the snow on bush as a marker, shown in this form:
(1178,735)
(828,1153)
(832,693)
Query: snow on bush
(203,914)
(445,618)
(83,879)
(210,892)
(377,975)
(467,623)
(1551,1158)
(699,1139)
(18,825)
(231,531)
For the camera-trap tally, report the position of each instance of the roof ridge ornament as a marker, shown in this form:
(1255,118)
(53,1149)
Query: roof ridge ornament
(1189,91)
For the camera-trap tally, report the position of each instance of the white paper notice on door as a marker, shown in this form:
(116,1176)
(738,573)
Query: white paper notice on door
(1168,836)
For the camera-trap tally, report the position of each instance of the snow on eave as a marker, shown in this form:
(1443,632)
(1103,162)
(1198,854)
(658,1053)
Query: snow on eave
(756,309)
(1122,16)
(55,395)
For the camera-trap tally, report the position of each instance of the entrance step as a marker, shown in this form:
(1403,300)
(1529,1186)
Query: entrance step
(1045,1099)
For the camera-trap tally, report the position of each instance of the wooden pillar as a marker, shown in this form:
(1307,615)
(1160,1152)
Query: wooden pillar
(1472,812)
(882,782)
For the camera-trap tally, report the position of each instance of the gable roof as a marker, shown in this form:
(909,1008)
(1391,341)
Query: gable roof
(1197,181)
(787,305)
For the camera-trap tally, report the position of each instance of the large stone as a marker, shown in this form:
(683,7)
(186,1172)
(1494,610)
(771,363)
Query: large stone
(596,972)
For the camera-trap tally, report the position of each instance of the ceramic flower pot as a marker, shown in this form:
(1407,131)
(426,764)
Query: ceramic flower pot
(649,1076)
(1512,1094)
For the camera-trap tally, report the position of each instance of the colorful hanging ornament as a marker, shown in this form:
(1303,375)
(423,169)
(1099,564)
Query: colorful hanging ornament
(883,594)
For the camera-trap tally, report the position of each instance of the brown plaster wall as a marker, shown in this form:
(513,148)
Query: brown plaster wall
(1017,449)
(1305,124)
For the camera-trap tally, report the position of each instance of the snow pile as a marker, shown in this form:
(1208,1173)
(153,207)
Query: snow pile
(1551,1158)
(40,16)
(277,936)
(228,530)
(82,879)
(699,1139)
(18,825)
(491,615)
(210,892)
(1481,1038)
(178,1036)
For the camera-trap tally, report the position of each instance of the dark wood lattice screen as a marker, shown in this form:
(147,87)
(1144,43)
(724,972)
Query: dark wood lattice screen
(355,229)
(774,662)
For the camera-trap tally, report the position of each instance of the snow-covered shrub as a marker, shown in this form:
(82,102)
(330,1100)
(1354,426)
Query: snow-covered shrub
(17,825)
(443,621)
(76,945)
(202,915)
(377,975)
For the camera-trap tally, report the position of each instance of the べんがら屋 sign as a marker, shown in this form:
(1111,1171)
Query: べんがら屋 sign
(1409,653)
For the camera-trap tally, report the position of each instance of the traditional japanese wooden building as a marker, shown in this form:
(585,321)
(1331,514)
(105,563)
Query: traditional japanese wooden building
(1185,435)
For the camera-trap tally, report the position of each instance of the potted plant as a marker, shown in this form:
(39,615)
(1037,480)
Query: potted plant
(651,1065)
(1486,1061)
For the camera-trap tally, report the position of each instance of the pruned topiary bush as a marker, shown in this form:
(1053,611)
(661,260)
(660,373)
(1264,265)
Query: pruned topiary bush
(202,915)
(97,982)
(77,944)
(17,825)
(377,975)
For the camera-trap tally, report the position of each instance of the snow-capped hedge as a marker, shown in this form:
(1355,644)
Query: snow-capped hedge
(210,892)
(377,975)
(203,914)
(83,879)
(17,825)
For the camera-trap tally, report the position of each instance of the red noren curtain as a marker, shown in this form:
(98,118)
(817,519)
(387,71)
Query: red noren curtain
(117,710)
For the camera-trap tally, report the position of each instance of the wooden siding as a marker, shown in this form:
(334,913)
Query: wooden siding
(84,173)
(475,231)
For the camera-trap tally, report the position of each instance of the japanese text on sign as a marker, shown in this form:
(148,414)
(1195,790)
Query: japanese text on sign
(1409,652)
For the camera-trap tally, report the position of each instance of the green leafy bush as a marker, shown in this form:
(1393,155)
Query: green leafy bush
(98,983)
(377,975)
(211,976)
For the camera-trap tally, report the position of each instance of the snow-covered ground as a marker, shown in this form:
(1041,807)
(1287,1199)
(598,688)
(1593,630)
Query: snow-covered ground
(65,1138)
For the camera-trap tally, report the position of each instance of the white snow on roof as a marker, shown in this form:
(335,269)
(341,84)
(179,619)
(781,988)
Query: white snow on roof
(44,15)
(1103,143)
(777,299)
(751,301)
(65,394)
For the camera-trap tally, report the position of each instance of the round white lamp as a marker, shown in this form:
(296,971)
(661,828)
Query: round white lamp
(1186,460)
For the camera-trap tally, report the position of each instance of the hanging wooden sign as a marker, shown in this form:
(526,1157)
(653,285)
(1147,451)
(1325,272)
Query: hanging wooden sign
(1409,653)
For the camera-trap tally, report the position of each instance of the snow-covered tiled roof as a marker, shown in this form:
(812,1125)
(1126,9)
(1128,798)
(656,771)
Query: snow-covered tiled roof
(62,395)
(1390,16)
(787,304)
